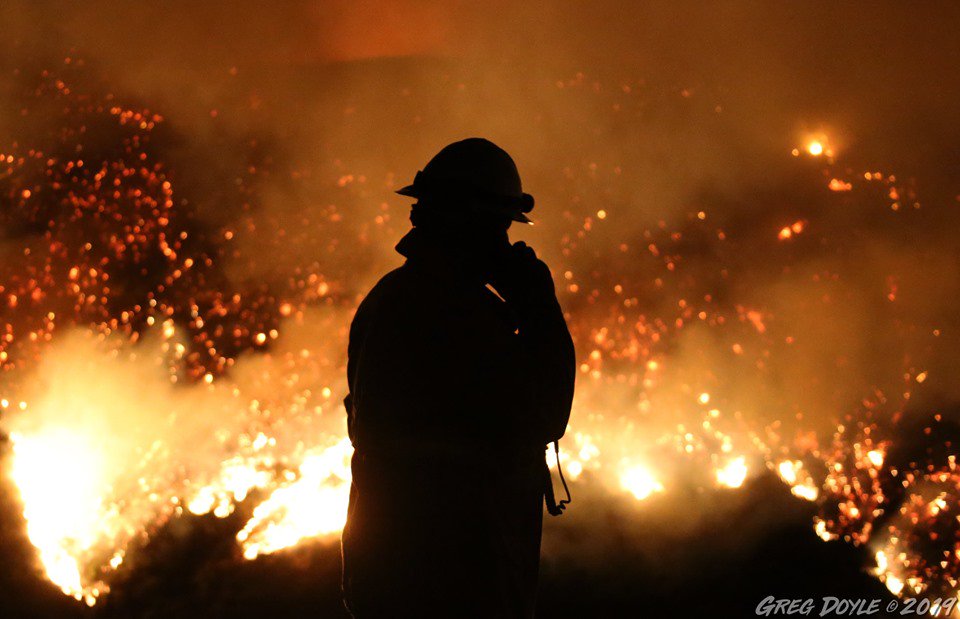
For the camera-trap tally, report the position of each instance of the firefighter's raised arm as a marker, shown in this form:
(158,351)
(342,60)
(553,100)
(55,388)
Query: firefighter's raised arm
(549,361)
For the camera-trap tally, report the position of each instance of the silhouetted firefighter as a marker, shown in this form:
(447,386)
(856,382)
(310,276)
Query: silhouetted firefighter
(455,392)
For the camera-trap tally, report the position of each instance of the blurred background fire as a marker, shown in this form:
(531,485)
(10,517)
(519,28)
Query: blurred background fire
(750,209)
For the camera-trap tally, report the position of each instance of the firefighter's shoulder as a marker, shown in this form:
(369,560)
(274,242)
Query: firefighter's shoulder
(397,289)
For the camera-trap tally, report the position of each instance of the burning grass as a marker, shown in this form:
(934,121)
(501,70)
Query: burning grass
(144,379)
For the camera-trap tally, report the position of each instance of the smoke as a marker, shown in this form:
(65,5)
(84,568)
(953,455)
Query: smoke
(657,139)
(104,433)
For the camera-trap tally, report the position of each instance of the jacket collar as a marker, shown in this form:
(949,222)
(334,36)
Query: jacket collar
(427,253)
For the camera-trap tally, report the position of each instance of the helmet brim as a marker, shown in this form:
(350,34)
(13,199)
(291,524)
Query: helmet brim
(412,191)
(521,217)
(409,191)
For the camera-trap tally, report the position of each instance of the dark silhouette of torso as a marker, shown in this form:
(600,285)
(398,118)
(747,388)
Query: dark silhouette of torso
(454,394)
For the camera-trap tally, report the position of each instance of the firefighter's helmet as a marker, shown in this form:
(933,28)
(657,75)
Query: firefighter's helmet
(473,168)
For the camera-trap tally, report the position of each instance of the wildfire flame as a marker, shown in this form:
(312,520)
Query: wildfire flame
(58,472)
(733,474)
(640,482)
(313,505)
(202,402)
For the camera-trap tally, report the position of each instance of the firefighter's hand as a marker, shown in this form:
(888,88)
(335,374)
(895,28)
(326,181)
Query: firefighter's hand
(523,278)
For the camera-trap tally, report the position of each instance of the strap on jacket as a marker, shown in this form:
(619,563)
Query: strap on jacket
(554,508)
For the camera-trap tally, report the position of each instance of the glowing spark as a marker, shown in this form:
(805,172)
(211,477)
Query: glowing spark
(805,491)
(788,471)
(894,584)
(820,528)
(790,231)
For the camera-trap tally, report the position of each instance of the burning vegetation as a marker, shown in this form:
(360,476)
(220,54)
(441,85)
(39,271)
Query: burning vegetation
(172,342)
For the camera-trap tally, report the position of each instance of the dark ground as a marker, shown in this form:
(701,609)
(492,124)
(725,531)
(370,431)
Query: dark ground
(617,558)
